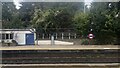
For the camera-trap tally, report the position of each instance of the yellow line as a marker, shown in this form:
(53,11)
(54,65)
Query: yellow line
(90,64)
(60,48)
(57,49)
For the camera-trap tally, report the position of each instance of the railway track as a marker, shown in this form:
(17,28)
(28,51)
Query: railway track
(60,56)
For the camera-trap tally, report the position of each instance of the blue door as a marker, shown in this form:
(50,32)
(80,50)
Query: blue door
(30,39)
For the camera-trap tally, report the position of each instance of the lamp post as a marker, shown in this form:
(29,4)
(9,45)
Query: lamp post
(84,7)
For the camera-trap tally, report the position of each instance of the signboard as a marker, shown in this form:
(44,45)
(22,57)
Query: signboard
(90,36)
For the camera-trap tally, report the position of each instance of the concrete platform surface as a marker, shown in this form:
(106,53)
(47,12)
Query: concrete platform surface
(56,42)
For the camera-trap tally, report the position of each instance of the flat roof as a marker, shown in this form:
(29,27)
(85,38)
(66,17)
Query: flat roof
(14,29)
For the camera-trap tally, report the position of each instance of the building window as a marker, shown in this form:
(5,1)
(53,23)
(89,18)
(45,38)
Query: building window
(11,36)
(3,36)
(7,36)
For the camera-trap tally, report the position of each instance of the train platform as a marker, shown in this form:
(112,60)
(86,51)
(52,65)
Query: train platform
(62,47)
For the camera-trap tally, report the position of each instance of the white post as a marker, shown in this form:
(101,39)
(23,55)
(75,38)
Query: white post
(8,36)
(49,36)
(43,36)
(36,39)
(62,36)
(34,36)
(56,35)
(75,35)
(5,36)
(52,40)
(69,35)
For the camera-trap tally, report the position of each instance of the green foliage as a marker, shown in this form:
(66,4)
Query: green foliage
(11,17)
(40,19)
(52,18)
(81,21)
(105,23)
(85,42)
(106,37)
(16,22)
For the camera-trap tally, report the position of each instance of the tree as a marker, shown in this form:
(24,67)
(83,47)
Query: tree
(103,17)
(51,20)
(81,23)
(7,9)
(10,16)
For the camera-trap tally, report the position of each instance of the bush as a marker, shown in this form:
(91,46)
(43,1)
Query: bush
(106,38)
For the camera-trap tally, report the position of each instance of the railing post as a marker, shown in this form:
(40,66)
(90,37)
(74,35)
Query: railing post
(52,40)
(69,35)
(43,36)
(75,36)
(49,36)
(62,36)
(37,39)
(56,35)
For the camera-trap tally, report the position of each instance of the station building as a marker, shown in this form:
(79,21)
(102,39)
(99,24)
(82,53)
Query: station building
(21,36)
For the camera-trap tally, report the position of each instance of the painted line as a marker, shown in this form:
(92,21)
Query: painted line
(102,64)
(106,48)
(58,48)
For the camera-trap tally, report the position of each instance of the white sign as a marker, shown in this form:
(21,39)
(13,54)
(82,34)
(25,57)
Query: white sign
(90,36)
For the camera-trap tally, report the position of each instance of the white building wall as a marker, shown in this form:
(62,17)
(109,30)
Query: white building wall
(20,38)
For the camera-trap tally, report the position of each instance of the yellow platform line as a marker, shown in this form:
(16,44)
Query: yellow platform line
(60,48)
(82,64)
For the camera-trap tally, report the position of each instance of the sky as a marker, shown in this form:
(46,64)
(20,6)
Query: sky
(18,5)
(88,3)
